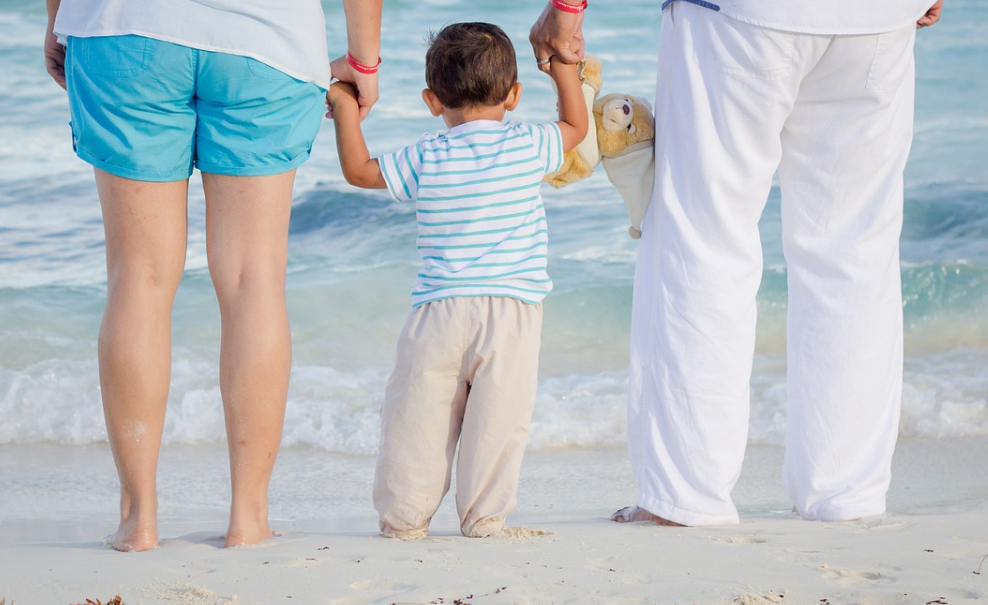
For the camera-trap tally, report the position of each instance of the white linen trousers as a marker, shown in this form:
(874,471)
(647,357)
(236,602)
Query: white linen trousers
(833,115)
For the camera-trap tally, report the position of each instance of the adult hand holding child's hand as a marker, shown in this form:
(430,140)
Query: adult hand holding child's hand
(347,69)
(558,32)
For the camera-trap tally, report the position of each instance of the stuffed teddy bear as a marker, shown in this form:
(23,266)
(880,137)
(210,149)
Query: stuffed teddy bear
(621,138)
(626,140)
(579,162)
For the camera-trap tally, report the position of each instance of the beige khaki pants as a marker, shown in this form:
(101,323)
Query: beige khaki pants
(466,371)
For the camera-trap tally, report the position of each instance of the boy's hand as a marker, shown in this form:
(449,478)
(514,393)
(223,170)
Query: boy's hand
(341,96)
(557,69)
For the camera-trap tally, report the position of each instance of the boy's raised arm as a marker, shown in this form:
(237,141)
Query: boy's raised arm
(572,107)
(359,169)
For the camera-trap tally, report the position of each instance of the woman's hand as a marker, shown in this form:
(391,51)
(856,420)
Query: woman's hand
(54,56)
(366,84)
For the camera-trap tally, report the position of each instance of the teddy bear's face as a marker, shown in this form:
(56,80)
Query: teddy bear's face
(622,121)
(616,115)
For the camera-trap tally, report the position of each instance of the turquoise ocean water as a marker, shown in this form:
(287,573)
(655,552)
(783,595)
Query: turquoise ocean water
(353,256)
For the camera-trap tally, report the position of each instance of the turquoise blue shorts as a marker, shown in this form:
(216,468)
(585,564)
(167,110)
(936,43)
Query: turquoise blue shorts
(150,110)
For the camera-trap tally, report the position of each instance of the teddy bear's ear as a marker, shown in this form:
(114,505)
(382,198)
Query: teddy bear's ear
(598,105)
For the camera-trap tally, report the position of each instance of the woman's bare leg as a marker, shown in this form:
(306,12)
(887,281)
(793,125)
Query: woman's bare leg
(146,227)
(247,245)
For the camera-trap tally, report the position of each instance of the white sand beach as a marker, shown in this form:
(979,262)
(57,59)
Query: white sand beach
(352,263)
(57,502)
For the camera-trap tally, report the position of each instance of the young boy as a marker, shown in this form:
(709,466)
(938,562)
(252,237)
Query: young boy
(467,359)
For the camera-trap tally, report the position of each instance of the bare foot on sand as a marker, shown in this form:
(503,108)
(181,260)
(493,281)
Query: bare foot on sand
(243,535)
(411,534)
(637,514)
(133,537)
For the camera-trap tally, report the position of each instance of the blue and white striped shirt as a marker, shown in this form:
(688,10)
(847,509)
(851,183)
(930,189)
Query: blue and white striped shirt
(482,227)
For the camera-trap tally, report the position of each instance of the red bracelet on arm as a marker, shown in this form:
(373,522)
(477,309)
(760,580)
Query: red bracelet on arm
(364,69)
(569,8)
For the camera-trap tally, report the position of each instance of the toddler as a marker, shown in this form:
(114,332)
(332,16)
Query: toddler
(467,361)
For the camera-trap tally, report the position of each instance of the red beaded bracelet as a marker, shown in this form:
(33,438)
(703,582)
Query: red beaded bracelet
(364,69)
(569,8)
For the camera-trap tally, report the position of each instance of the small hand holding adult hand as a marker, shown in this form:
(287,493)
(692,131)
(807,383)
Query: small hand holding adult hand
(341,97)
(54,57)
(365,84)
(557,33)
(931,16)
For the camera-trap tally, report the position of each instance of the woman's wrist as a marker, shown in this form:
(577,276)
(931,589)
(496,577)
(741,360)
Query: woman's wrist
(569,7)
(363,68)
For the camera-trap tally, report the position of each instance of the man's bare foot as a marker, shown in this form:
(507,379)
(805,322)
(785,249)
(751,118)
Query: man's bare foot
(133,537)
(241,536)
(637,514)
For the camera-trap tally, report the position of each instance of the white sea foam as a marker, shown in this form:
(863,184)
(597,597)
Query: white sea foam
(58,401)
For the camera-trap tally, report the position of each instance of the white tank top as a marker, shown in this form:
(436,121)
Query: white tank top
(289,36)
(833,17)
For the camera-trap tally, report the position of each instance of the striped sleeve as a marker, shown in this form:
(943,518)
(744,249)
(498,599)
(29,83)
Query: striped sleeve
(548,140)
(401,171)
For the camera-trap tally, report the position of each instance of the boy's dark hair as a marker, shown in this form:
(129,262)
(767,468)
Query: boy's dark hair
(470,64)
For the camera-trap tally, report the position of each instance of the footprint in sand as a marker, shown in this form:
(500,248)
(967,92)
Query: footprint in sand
(751,599)
(741,540)
(964,547)
(380,584)
(302,562)
(186,594)
(853,577)
(522,532)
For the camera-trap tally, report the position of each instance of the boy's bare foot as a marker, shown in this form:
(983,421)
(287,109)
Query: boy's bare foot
(637,514)
(412,534)
(133,537)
